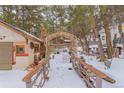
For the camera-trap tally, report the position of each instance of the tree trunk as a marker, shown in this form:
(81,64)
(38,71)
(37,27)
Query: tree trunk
(108,36)
(86,44)
(100,46)
(82,36)
(84,47)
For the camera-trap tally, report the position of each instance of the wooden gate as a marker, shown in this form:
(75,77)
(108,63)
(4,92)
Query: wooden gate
(6,53)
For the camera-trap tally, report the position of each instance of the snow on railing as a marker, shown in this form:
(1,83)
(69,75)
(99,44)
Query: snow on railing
(90,75)
(37,76)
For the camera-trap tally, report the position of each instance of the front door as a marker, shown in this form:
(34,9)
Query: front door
(6,54)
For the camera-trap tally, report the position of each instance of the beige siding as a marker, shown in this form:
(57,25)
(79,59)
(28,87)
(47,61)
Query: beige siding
(10,36)
(22,62)
(6,55)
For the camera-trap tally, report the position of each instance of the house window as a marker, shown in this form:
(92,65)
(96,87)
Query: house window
(20,49)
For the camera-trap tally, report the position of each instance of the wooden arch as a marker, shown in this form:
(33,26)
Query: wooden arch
(70,36)
(61,33)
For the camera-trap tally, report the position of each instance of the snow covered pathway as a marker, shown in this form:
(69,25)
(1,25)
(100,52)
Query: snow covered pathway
(60,76)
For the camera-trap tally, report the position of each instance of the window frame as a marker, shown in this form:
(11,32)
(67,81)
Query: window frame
(19,53)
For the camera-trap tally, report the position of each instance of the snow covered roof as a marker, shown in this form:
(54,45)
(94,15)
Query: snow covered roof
(95,46)
(67,40)
(79,48)
(22,32)
(119,45)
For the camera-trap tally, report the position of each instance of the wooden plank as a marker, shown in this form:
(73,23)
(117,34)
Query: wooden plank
(85,79)
(98,82)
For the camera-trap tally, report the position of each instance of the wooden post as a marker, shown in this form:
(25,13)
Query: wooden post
(98,82)
(28,84)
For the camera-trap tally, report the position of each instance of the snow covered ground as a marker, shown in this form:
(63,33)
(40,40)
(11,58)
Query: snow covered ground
(60,76)
(12,79)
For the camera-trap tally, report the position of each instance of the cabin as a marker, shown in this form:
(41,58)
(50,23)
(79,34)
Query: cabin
(18,48)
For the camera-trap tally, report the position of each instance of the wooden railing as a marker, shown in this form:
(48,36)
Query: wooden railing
(87,72)
(39,72)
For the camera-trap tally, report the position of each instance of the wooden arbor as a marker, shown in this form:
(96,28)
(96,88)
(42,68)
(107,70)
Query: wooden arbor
(70,36)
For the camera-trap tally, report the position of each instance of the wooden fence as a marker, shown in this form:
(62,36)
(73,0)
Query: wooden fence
(92,76)
(37,76)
